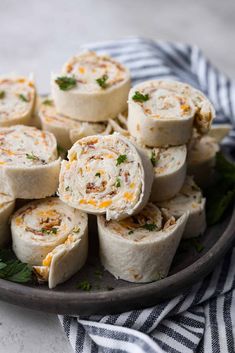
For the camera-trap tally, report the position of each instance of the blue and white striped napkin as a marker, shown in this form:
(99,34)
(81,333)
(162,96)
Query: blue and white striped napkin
(202,319)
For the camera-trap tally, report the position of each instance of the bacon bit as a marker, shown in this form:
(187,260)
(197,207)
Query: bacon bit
(169,223)
(69,68)
(34,231)
(128,195)
(126,175)
(47,260)
(105,204)
(91,187)
(148,111)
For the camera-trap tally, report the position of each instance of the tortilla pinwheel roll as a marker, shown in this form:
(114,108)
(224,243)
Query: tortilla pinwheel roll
(66,130)
(52,237)
(162,113)
(141,247)
(106,174)
(17,100)
(202,158)
(91,88)
(169,165)
(29,167)
(189,199)
(7,204)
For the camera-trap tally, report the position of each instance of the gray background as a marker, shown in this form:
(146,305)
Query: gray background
(37,36)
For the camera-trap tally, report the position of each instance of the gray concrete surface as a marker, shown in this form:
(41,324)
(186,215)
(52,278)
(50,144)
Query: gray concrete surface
(37,36)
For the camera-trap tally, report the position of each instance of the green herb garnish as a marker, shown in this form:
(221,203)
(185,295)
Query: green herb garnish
(130,232)
(121,159)
(118,183)
(84,285)
(220,194)
(48,102)
(99,274)
(139,97)
(153,158)
(2,94)
(102,81)
(149,226)
(196,244)
(98,175)
(49,231)
(66,83)
(67,188)
(32,156)
(76,229)
(12,269)
(23,98)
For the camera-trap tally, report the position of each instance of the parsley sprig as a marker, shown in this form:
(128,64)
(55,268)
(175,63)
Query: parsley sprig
(66,83)
(102,81)
(153,158)
(2,94)
(23,98)
(149,226)
(32,156)
(49,231)
(221,194)
(47,102)
(118,182)
(12,269)
(139,97)
(84,285)
(121,159)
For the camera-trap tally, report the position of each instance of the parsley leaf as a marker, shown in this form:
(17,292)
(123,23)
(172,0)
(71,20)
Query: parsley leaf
(32,156)
(149,226)
(121,159)
(139,97)
(84,285)
(130,232)
(48,102)
(98,175)
(49,231)
(118,183)
(66,83)
(102,81)
(23,98)
(153,158)
(2,94)
(12,269)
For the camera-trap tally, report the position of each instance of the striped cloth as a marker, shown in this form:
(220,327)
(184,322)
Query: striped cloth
(202,319)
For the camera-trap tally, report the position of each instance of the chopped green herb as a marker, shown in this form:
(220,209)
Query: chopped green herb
(130,232)
(102,81)
(153,158)
(32,156)
(121,159)
(99,274)
(2,94)
(84,285)
(49,231)
(12,269)
(66,83)
(118,183)
(139,97)
(48,102)
(98,175)
(196,244)
(23,98)
(76,229)
(149,226)
(67,188)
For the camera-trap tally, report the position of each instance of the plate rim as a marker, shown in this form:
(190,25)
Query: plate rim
(64,302)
